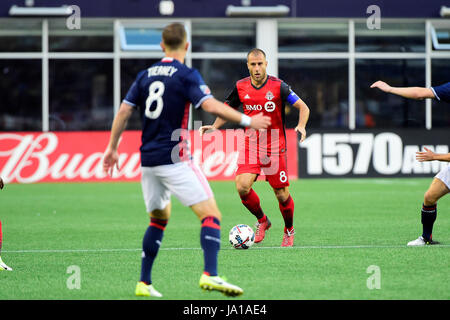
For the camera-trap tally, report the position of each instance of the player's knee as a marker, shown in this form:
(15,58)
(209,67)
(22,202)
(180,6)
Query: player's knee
(282,194)
(163,214)
(429,198)
(215,214)
(243,188)
(206,209)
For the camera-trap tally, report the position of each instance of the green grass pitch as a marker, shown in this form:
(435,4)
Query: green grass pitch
(343,226)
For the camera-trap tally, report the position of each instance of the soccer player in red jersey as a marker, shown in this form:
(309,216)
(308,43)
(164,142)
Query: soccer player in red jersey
(3,266)
(264,151)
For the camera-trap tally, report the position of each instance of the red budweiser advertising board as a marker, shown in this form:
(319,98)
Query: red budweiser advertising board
(29,157)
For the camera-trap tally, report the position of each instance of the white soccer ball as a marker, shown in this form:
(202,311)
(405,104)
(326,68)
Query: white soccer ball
(241,236)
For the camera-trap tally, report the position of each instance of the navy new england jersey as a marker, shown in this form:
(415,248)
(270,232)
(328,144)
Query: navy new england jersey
(442,92)
(164,93)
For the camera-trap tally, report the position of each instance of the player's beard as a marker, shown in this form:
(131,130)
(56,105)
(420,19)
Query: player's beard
(260,78)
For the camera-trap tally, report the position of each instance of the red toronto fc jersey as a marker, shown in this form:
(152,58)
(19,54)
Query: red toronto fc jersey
(269,99)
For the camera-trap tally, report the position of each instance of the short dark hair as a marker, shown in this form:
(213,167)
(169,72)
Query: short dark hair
(256,51)
(174,35)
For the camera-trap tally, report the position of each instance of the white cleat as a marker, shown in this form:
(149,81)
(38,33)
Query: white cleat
(420,241)
(417,243)
(3,266)
(144,290)
(216,283)
(154,292)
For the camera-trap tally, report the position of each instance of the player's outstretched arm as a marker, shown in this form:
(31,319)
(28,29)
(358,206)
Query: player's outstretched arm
(418,93)
(302,118)
(214,106)
(111,156)
(429,155)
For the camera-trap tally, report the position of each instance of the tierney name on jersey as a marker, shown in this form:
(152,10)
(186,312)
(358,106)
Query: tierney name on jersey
(161,71)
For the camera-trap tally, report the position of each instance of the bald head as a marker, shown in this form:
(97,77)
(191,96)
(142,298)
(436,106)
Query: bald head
(256,52)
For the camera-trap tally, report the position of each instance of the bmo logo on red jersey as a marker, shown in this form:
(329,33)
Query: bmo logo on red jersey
(269,106)
(253,107)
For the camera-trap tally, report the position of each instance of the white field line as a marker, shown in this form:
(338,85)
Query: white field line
(198,248)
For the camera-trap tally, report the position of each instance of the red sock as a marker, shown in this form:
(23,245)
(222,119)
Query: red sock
(252,203)
(287,210)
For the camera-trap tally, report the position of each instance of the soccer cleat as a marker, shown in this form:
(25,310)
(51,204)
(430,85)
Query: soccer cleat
(260,230)
(144,290)
(420,241)
(3,266)
(216,283)
(288,238)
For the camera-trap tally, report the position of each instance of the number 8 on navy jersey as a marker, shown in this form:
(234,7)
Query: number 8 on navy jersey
(164,93)
(155,91)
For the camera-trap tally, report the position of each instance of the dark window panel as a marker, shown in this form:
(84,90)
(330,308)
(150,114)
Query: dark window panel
(20,44)
(20,95)
(81,94)
(323,86)
(20,35)
(95,35)
(392,37)
(375,108)
(81,44)
(312,37)
(220,76)
(223,37)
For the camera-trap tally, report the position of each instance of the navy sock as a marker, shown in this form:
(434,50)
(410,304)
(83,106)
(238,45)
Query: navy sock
(150,245)
(429,214)
(210,241)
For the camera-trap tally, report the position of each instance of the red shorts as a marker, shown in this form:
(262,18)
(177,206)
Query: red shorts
(273,167)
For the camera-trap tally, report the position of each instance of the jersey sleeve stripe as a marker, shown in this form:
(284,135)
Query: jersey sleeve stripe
(435,94)
(202,100)
(128,102)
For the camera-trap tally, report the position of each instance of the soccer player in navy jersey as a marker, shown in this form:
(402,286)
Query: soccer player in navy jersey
(3,266)
(164,93)
(265,152)
(440,185)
